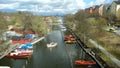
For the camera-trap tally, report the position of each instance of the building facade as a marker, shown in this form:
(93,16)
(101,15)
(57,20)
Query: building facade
(100,11)
(114,7)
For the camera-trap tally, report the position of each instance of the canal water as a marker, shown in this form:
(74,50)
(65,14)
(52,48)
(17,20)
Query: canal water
(62,56)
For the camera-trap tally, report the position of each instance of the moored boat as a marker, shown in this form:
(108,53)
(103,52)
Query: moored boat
(52,44)
(20,53)
(26,46)
(70,42)
(4,67)
(69,39)
(68,36)
(84,62)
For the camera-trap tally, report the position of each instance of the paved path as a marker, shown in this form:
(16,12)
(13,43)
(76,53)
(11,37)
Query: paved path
(37,40)
(9,50)
(115,60)
(118,32)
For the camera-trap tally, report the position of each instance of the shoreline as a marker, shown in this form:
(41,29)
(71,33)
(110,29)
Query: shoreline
(14,46)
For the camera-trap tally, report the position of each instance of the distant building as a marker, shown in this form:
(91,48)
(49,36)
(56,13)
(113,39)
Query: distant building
(96,10)
(114,7)
(100,10)
(91,10)
(87,10)
(7,18)
(106,9)
(48,19)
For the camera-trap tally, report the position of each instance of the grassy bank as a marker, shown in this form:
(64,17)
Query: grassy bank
(94,28)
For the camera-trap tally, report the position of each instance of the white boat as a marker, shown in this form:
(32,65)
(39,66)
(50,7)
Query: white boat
(52,44)
(4,67)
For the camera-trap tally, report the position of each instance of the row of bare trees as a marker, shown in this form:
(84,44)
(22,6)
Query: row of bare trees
(23,20)
(85,25)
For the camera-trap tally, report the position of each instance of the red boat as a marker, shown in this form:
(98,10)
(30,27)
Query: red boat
(68,36)
(22,41)
(70,41)
(20,54)
(84,62)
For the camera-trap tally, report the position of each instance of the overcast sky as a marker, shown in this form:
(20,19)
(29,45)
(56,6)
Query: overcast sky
(48,6)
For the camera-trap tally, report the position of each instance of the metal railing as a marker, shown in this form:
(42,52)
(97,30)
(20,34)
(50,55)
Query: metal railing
(101,63)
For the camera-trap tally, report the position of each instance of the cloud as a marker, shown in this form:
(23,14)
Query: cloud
(48,6)
(98,2)
(91,3)
(10,6)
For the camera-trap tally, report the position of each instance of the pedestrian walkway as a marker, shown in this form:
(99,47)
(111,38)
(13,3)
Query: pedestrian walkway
(37,40)
(8,50)
(115,60)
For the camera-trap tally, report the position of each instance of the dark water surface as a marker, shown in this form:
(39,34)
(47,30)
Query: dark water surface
(62,56)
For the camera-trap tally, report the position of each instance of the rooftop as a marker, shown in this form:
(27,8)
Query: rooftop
(117,2)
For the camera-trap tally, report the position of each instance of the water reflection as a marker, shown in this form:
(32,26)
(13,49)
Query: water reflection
(62,56)
(44,57)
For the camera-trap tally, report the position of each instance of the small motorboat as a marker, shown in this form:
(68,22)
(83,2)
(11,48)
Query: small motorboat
(70,42)
(84,62)
(20,53)
(69,39)
(68,36)
(26,46)
(52,44)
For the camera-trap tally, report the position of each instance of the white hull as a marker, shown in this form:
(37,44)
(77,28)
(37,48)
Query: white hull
(52,44)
